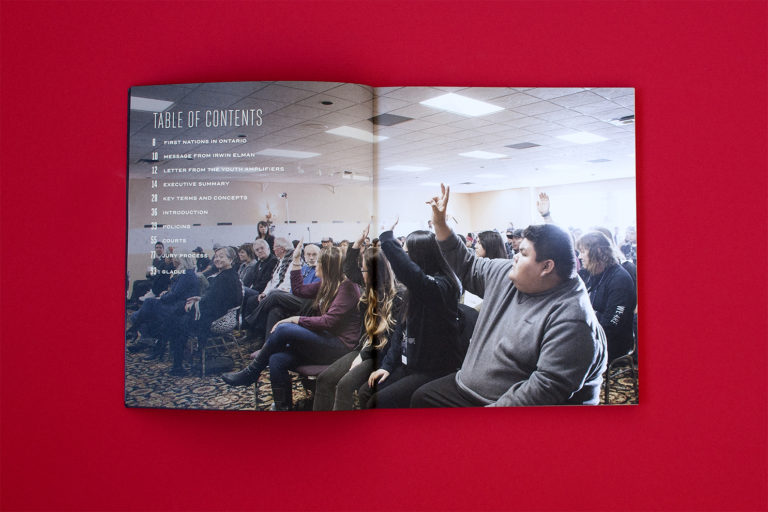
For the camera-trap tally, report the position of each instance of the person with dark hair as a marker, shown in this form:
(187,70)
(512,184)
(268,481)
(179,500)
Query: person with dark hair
(380,307)
(611,291)
(224,293)
(537,340)
(158,276)
(203,261)
(630,267)
(246,268)
(319,339)
(429,347)
(490,245)
(154,312)
(514,237)
(629,247)
(264,233)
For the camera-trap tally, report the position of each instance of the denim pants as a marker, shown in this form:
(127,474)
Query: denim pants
(292,345)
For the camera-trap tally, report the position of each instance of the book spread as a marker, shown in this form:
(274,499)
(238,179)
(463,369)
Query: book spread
(336,246)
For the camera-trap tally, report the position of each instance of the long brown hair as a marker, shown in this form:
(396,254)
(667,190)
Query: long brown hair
(599,249)
(330,263)
(378,298)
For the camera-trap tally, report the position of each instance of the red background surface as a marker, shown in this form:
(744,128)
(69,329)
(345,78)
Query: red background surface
(698,439)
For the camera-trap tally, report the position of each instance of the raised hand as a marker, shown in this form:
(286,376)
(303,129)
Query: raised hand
(439,204)
(360,241)
(542,204)
(297,252)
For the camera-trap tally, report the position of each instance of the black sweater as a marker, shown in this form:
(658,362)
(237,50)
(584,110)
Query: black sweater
(612,293)
(431,323)
(224,293)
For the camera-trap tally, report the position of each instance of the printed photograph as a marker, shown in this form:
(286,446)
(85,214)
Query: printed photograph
(300,246)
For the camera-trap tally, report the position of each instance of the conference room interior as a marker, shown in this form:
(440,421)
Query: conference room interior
(576,145)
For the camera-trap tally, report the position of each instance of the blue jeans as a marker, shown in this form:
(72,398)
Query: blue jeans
(292,345)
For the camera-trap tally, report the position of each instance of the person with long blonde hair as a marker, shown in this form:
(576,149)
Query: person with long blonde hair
(320,339)
(430,346)
(380,306)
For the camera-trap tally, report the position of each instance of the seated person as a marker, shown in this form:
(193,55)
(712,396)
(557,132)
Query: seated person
(157,279)
(246,267)
(203,261)
(489,245)
(629,247)
(514,237)
(265,265)
(320,339)
(537,340)
(156,311)
(311,253)
(611,291)
(224,293)
(276,301)
(380,306)
(430,346)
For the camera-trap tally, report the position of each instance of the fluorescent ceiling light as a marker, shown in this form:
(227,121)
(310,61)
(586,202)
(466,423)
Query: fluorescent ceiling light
(582,138)
(462,105)
(485,155)
(286,153)
(148,104)
(406,168)
(489,175)
(356,133)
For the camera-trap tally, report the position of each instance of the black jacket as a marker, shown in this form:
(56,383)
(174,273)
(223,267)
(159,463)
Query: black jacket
(431,339)
(612,293)
(263,272)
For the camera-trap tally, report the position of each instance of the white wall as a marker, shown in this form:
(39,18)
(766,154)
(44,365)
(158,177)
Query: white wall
(343,213)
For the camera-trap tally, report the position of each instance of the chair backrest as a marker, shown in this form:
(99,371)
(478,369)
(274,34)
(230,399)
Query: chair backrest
(225,323)
(467,320)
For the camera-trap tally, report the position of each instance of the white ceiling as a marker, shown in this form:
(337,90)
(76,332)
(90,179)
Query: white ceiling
(294,118)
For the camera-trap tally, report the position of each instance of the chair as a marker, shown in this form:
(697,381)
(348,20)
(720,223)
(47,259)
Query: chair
(628,358)
(307,374)
(220,337)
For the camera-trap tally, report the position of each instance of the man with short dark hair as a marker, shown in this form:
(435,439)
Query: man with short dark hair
(514,237)
(536,340)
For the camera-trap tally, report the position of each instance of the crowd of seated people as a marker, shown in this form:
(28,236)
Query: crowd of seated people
(383,313)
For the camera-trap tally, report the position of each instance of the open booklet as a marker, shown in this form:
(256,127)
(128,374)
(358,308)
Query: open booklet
(224,179)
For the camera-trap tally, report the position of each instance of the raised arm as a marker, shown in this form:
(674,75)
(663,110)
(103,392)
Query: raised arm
(543,205)
(419,284)
(351,266)
(439,205)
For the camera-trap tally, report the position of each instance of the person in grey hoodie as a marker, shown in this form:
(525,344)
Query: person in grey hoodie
(537,340)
